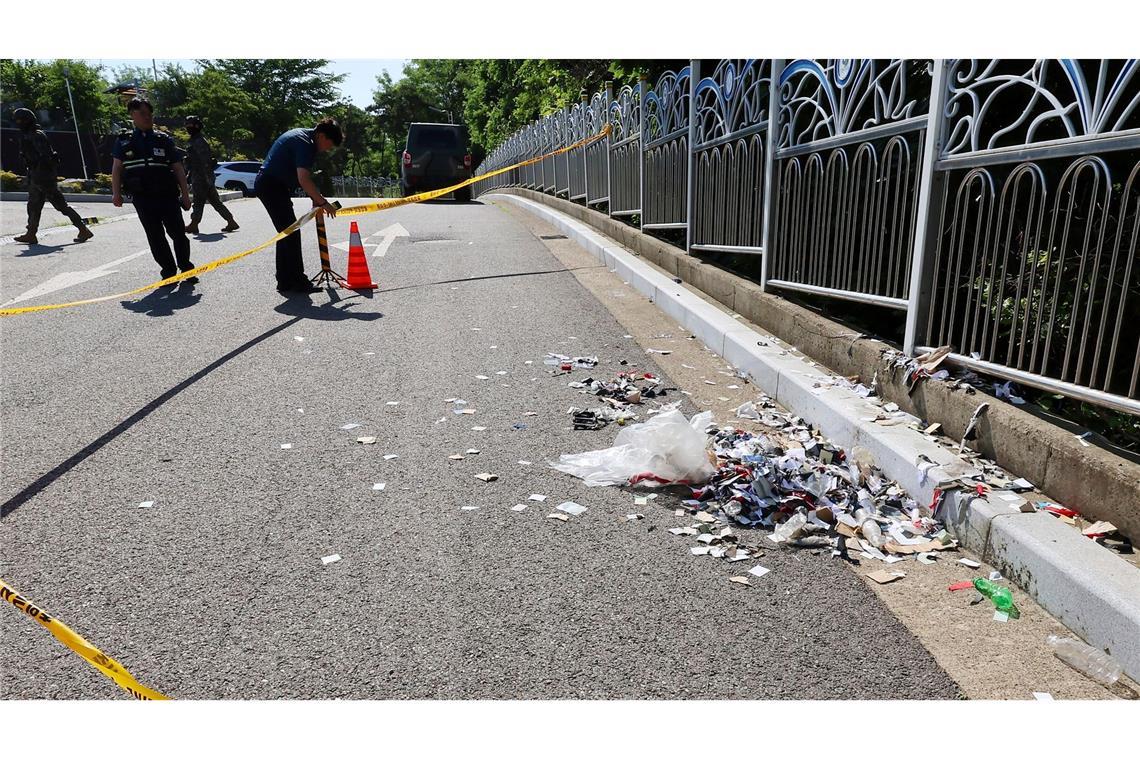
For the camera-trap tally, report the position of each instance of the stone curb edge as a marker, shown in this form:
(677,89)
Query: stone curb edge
(1094,593)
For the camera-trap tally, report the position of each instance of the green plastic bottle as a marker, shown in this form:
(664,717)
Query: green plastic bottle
(1001,596)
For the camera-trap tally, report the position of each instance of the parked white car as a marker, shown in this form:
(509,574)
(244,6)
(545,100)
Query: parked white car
(236,175)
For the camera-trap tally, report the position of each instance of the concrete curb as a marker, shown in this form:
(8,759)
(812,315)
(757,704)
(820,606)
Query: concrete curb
(228,195)
(1094,593)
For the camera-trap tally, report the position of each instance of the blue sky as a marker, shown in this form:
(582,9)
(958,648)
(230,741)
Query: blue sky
(357,87)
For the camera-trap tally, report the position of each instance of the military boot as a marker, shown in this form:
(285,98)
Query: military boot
(192,228)
(28,237)
(85,233)
(231,227)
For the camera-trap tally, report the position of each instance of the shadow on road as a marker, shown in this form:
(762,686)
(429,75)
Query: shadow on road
(208,237)
(303,307)
(45,480)
(163,302)
(38,249)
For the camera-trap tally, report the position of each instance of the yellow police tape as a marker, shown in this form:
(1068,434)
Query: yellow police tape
(366,208)
(79,645)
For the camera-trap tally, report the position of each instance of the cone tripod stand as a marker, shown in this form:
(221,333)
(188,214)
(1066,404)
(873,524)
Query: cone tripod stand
(359,278)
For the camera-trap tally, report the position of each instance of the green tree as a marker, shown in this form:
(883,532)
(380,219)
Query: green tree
(285,92)
(42,86)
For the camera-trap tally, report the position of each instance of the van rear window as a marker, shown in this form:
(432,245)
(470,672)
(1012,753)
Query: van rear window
(435,138)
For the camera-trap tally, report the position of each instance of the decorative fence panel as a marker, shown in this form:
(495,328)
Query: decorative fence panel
(849,158)
(730,109)
(1034,271)
(625,152)
(994,202)
(666,140)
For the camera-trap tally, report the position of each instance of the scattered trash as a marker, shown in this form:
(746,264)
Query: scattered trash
(741,580)
(1006,391)
(634,517)
(463,411)
(571,507)
(971,429)
(759,571)
(456,457)
(960,585)
(469,508)
(1101,667)
(995,575)
(472,451)
(657,351)
(566,362)
(331,559)
(1001,617)
(366,439)
(146,504)
(350,426)
(969,563)
(389,457)
(478,428)
(886,576)
(1001,596)
(392,403)
(378,486)
(286,445)
(641,501)
(298,338)
(1043,696)
(563,518)
(482,377)
(518,426)
(524,462)
(487,477)
(518,508)
(537,497)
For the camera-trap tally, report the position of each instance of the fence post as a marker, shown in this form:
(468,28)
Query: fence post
(585,165)
(776,66)
(925,213)
(609,168)
(690,202)
(641,150)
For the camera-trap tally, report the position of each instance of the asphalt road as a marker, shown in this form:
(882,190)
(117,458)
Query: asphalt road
(185,397)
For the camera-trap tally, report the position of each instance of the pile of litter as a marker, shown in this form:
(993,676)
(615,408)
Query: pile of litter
(790,481)
(618,396)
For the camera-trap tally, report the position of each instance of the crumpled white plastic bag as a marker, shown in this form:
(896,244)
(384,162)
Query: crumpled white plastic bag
(667,446)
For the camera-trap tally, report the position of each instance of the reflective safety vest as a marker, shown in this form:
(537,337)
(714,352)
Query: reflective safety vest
(147,159)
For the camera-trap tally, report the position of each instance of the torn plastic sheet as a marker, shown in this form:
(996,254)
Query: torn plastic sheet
(665,449)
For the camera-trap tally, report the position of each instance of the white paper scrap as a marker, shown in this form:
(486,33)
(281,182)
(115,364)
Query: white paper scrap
(331,559)
(518,508)
(759,571)
(146,504)
(571,507)
(378,486)
(537,497)
(391,456)
(350,426)
(286,445)
(969,563)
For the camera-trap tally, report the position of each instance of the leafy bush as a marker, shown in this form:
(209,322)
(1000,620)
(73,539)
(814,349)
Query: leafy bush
(10,181)
(103,181)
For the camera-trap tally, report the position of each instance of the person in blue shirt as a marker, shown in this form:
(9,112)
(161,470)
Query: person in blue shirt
(148,165)
(289,166)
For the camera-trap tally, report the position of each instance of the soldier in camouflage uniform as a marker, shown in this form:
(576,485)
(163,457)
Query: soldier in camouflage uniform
(201,164)
(42,162)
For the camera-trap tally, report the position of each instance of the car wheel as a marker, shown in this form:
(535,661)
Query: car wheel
(463,194)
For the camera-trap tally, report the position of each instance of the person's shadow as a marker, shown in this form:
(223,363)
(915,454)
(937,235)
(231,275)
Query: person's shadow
(207,237)
(335,310)
(163,302)
(36,249)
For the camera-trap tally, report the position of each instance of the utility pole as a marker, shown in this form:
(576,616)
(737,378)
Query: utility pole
(75,120)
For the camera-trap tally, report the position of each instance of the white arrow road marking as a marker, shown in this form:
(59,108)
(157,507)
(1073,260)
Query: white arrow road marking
(71,279)
(389,235)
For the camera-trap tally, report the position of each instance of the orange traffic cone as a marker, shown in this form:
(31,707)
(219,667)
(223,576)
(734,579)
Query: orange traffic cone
(359,278)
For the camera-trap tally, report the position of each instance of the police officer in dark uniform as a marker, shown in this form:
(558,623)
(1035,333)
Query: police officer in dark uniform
(148,165)
(42,162)
(200,160)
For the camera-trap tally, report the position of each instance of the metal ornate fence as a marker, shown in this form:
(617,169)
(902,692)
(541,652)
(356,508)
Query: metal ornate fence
(995,203)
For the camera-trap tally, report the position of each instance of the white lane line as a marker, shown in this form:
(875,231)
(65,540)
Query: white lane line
(71,279)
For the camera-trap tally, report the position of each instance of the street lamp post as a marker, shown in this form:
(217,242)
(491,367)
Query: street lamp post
(75,120)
